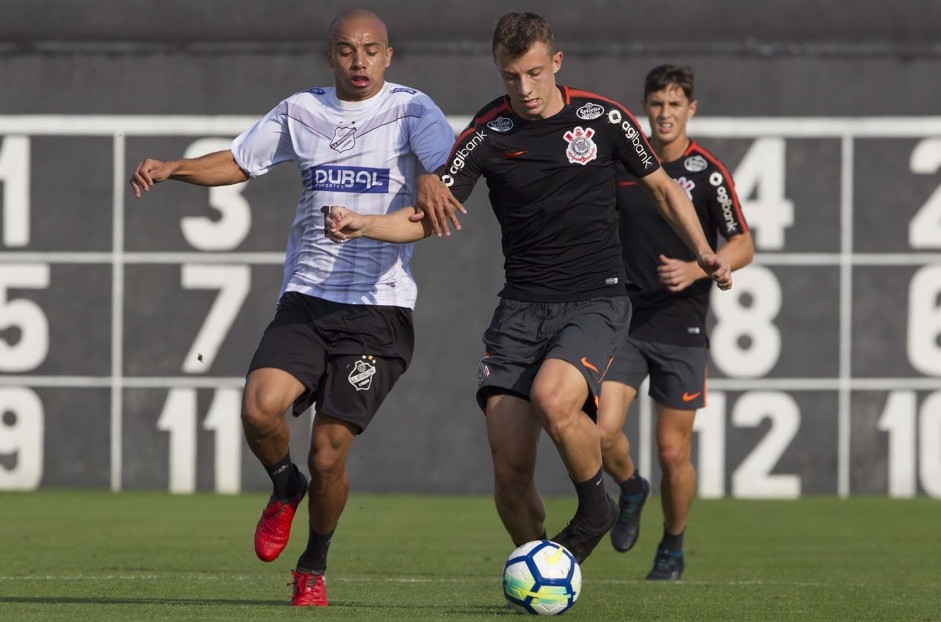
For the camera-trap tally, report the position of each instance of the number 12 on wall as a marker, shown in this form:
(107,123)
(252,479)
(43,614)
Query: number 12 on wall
(752,479)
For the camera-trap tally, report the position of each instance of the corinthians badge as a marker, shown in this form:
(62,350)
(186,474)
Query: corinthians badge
(581,149)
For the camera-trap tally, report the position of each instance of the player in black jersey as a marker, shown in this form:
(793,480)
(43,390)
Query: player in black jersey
(667,339)
(549,155)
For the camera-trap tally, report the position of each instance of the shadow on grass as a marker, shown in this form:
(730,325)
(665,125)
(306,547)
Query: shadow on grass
(100,600)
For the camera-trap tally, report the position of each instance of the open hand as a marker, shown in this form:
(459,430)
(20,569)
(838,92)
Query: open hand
(435,202)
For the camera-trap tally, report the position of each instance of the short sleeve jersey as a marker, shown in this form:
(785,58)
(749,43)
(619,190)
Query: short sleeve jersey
(552,189)
(661,316)
(363,155)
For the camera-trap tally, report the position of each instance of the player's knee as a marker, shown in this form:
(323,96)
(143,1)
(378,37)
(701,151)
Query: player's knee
(511,479)
(556,413)
(261,411)
(673,457)
(609,437)
(325,465)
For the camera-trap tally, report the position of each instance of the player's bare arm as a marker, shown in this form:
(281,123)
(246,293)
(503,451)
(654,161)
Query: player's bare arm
(214,169)
(678,274)
(676,208)
(344,224)
(436,204)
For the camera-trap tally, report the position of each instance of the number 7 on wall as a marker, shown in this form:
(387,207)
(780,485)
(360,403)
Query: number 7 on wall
(233,283)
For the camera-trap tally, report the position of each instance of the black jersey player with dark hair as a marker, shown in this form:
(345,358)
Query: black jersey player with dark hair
(549,155)
(667,338)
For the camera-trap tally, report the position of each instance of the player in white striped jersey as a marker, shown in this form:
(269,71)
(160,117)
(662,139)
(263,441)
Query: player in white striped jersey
(342,334)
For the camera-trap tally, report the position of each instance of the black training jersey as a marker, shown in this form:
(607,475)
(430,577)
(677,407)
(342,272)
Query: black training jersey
(551,185)
(662,316)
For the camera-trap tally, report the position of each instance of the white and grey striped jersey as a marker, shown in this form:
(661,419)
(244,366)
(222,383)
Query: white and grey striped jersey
(363,155)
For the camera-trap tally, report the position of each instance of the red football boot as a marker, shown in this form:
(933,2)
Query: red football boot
(310,590)
(274,526)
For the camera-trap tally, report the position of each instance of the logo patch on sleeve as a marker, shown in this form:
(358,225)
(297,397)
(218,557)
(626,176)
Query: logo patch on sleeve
(501,124)
(589,111)
(695,164)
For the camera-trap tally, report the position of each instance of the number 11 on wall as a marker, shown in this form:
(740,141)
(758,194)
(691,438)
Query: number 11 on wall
(179,419)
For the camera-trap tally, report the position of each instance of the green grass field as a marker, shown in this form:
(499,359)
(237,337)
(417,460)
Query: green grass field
(84,555)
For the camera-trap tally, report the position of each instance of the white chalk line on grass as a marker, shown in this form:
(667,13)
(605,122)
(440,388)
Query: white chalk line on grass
(420,580)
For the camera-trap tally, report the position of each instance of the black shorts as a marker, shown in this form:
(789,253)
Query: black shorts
(522,335)
(348,357)
(677,373)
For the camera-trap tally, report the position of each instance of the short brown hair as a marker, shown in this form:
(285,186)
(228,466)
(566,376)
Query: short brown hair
(664,76)
(517,32)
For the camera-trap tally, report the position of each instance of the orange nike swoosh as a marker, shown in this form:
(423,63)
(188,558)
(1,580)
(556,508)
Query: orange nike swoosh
(515,154)
(689,398)
(590,366)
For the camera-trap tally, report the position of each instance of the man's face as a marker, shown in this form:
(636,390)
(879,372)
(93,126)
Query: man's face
(668,111)
(359,55)
(529,80)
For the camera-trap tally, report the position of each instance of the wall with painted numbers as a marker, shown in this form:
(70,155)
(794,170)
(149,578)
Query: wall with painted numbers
(126,326)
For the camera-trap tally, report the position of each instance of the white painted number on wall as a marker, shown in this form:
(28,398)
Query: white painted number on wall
(924,320)
(235,214)
(233,283)
(913,448)
(179,419)
(924,230)
(745,341)
(30,350)
(14,177)
(759,181)
(21,438)
(753,478)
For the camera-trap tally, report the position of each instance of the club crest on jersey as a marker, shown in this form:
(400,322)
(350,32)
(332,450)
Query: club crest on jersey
(501,124)
(483,372)
(581,148)
(589,111)
(343,139)
(363,371)
(695,164)
(686,184)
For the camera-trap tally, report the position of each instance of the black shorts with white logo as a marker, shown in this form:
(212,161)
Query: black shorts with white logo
(677,373)
(522,335)
(347,356)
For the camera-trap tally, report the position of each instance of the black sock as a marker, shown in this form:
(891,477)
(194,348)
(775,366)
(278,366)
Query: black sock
(593,508)
(632,485)
(314,557)
(672,542)
(284,477)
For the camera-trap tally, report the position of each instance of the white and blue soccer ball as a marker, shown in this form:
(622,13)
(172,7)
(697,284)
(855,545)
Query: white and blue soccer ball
(541,578)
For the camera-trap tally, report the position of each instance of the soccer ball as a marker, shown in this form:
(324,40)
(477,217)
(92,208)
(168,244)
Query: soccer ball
(541,578)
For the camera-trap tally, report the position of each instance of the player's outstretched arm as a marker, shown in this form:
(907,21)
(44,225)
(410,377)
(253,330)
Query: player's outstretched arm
(214,169)
(344,224)
(676,208)
(435,204)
